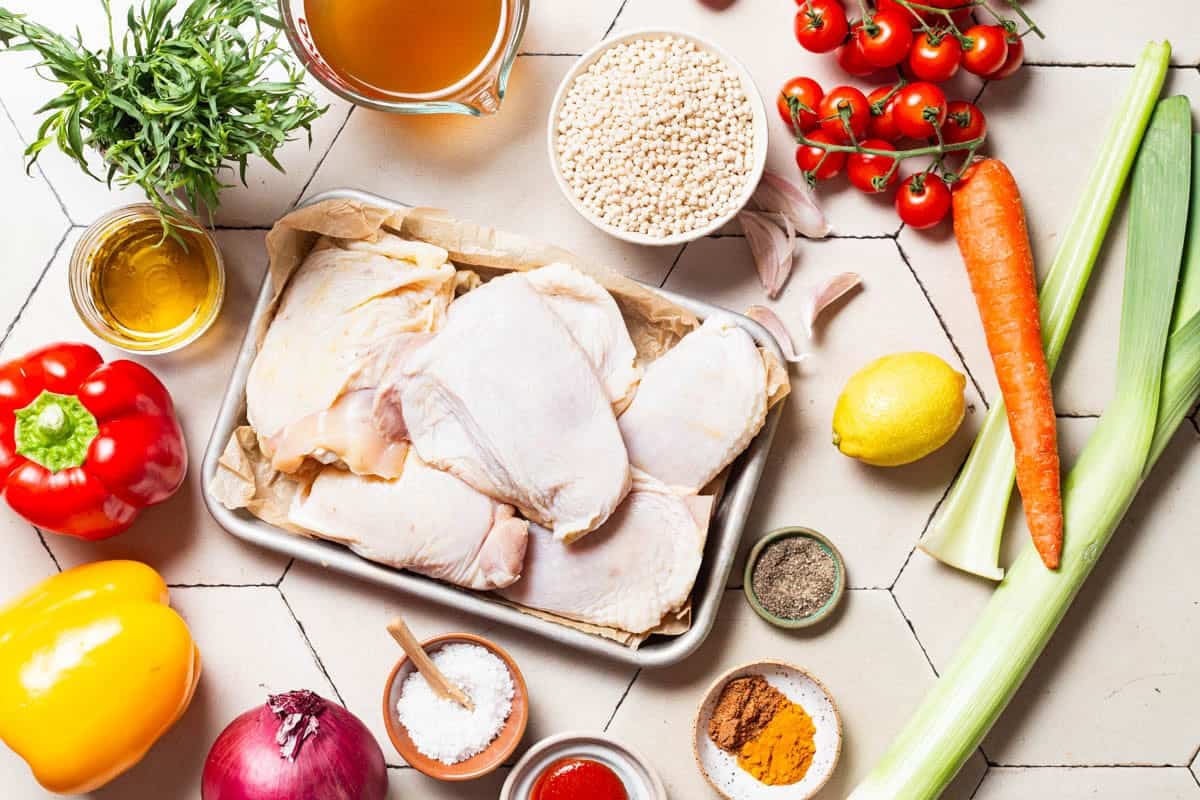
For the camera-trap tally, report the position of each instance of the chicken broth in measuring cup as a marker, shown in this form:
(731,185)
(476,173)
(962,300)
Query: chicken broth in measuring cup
(407,48)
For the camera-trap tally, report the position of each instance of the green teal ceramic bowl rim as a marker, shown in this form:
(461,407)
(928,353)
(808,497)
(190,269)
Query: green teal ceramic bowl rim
(820,614)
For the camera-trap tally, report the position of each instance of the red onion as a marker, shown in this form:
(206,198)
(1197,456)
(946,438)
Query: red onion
(299,746)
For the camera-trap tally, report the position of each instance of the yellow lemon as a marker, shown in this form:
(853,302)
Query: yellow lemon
(898,409)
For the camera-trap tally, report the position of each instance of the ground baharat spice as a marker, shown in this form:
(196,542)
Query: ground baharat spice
(794,577)
(743,711)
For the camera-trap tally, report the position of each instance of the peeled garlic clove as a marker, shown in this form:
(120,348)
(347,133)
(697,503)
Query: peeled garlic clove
(774,325)
(796,202)
(771,238)
(820,297)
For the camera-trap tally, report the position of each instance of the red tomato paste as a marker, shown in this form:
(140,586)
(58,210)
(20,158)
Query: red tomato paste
(578,779)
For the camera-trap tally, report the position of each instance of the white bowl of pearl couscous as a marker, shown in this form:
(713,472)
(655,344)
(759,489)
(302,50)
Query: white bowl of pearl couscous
(657,137)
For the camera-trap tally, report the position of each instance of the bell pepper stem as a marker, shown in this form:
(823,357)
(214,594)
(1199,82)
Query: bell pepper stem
(55,431)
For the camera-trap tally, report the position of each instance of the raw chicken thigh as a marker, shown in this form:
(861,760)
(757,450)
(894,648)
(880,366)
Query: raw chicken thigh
(698,406)
(505,399)
(426,521)
(630,573)
(348,313)
(596,324)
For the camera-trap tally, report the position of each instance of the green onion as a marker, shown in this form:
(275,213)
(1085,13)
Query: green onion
(965,532)
(1031,601)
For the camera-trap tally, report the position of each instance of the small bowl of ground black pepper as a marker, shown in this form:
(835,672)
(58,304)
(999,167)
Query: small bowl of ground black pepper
(795,578)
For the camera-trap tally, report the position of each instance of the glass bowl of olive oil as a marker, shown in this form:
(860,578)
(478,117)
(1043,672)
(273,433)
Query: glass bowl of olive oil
(141,291)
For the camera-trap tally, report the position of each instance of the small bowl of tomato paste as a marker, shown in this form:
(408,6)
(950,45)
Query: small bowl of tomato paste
(582,766)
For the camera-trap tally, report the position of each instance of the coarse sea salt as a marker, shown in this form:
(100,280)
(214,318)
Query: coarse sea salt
(440,728)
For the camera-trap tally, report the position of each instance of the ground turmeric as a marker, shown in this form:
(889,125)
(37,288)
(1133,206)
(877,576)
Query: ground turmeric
(783,752)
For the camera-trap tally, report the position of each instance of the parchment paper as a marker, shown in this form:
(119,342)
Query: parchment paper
(245,478)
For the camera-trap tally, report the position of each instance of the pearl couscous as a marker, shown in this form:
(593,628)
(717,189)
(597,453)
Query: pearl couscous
(656,137)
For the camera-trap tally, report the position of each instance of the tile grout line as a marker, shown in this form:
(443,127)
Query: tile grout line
(662,284)
(316,656)
(286,570)
(221,586)
(928,521)
(37,284)
(613,24)
(1127,765)
(986,769)
(942,322)
(550,55)
(46,546)
(621,700)
(913,630)
(1097,64)
(53,191)
(325,155)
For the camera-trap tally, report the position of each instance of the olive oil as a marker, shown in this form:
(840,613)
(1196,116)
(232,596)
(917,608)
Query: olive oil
(405,47)
(143,292)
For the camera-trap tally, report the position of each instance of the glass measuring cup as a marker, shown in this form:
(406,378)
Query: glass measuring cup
(477,94)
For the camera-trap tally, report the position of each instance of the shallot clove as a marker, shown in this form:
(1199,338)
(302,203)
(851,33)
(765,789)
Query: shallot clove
(774,325)
(797,202)
(821,296)
(772,239)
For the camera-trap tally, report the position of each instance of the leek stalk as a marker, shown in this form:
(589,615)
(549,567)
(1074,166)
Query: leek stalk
(965,532)
(1157,376)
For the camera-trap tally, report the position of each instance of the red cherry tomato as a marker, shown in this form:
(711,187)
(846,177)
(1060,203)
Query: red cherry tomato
(922,200)
(809,157)
(934,58)
(1014,60)
(869,173)
(850,56)
(920,110)
(809,93)
(851,100)
(883,115)
(821,25)
(987,50)
(964,122)
(885,39)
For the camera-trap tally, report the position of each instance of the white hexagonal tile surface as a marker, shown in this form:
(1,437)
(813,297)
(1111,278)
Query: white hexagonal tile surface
(1101,783)
(808,482)
(178,537)
(1126,646)
(866,638)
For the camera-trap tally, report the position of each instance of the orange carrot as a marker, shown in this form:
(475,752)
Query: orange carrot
(989,224)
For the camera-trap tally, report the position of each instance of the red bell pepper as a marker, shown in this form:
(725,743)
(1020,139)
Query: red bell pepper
(84,445)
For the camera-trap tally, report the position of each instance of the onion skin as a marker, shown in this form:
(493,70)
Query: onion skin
(340,761)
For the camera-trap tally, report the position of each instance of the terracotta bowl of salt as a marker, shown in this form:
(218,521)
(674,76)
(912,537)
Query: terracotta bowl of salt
(500,748)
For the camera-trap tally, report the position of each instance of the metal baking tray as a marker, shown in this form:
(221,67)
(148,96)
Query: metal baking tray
(725,529)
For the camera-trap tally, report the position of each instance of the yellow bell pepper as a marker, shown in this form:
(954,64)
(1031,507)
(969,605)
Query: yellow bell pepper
(94,668)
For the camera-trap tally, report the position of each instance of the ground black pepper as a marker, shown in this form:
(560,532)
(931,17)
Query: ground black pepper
(794,577)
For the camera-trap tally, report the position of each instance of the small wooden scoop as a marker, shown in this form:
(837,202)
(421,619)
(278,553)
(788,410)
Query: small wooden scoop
(441,686)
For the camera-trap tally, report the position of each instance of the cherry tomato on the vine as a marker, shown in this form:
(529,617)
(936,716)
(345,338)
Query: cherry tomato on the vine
(883,115)
(821,25)
(987,49)
(850,56)
(961,15)
(1014,60)
(920,110)
(935,58)
(809,93)
(822,164)
(884,38)
(923,200)
(854,104)
(964,122)
(871,173)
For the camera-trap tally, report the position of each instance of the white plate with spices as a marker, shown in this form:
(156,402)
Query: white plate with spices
(667,157)
(721,768)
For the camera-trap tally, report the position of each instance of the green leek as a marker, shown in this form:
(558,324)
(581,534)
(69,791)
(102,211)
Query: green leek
(1156,377)
(965,532)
